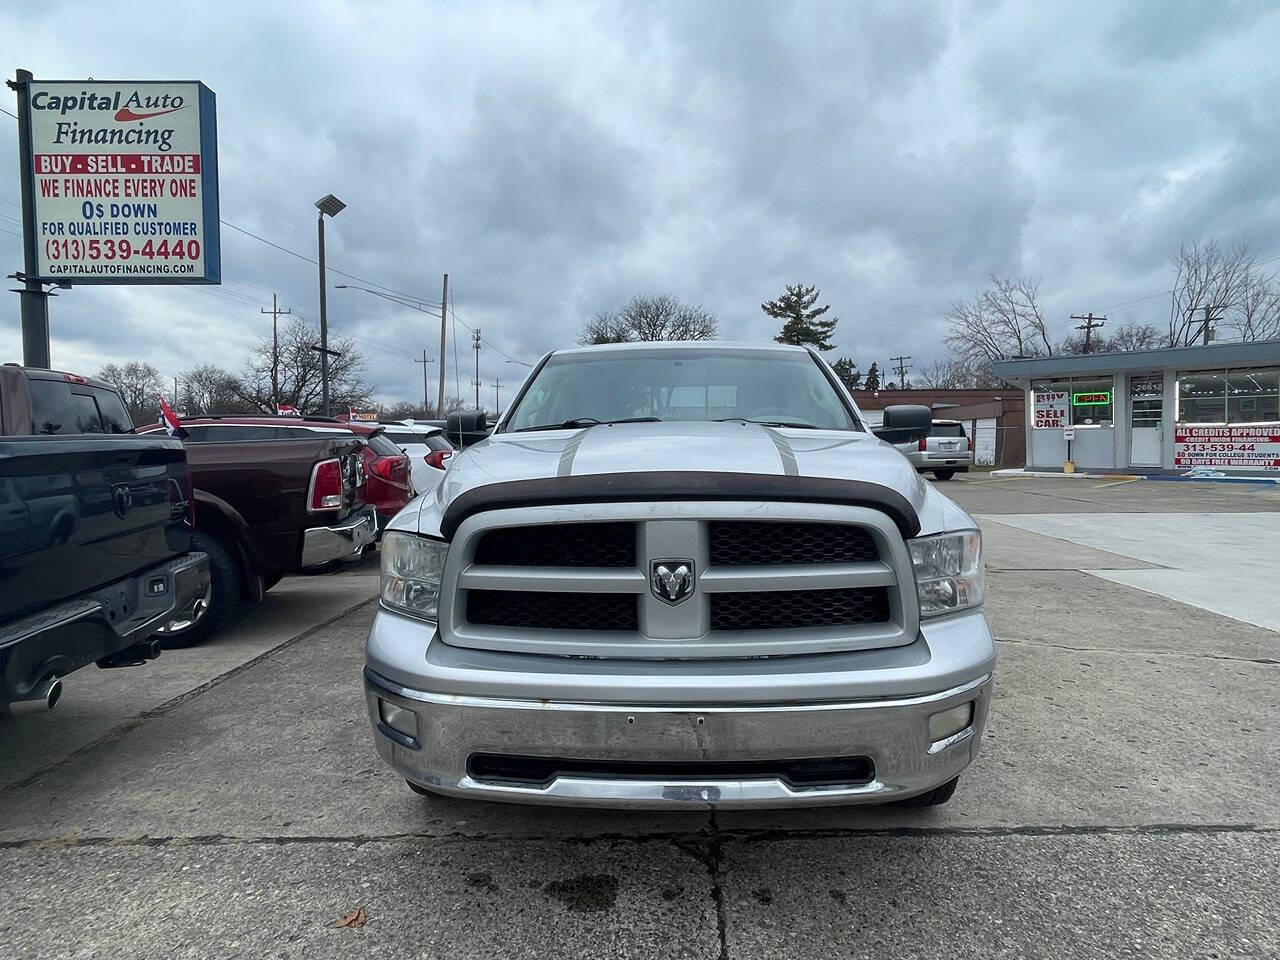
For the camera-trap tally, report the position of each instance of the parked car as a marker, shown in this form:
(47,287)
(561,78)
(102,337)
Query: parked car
(95,535)
(273,495)
(427,448)
(682,575)
(388,482)
(946,451)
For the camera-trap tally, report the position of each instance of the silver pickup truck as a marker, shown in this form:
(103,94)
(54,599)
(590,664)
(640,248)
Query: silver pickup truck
(683,575)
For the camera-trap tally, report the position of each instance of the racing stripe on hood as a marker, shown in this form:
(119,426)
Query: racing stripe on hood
(565,469)
(785,453)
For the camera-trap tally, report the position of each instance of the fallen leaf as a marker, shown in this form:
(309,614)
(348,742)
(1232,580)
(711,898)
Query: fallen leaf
(356,918)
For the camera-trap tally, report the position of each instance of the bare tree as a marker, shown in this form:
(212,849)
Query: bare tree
(604,327)
(208,389)
(945,373)
(660,317)
(1000,322)
(1206,275)
(1257,315)
(140,388)
(299,372)
(1135,336)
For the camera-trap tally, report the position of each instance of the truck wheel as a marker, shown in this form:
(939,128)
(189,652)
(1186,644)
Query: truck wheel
(944,474)
(226,585)
(934,798)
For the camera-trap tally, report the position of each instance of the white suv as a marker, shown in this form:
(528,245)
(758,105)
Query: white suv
(946,451)
(426,447)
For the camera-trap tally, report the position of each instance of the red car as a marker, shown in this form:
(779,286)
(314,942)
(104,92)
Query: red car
(388,485)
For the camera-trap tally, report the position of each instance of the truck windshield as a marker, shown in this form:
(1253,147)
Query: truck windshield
(697,383)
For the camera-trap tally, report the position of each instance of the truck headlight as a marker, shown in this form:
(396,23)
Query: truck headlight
(411,571)
(948,570)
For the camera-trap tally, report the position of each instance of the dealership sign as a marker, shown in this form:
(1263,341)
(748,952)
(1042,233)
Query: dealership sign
(125,181)
(1049,409)
(1251,447)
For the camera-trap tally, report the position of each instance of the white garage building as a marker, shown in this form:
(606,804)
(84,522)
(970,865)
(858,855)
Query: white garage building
(1153,411)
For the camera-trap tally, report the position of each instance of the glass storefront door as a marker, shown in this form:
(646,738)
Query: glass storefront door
(1146,419)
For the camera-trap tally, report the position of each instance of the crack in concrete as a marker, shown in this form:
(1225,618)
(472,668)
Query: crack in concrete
(133,723)
(1036,642)
(706,846)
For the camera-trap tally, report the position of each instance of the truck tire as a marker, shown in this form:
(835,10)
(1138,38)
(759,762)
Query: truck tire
(226,586)
(934,798)
(943,474)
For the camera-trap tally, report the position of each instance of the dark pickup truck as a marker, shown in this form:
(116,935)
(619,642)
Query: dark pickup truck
(95,535)
(269,501)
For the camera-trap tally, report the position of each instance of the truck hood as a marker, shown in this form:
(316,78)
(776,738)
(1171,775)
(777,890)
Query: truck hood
(731,447)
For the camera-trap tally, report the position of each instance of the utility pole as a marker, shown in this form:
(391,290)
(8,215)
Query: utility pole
(497,400)
(324,324)
(444,310)
(1090,324)
(276,314)
(475,345)
(902,371)
(1204,324)
(34,306)
(176,402)
(426,402)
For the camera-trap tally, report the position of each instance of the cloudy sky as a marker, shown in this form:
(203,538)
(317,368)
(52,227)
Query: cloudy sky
(555,159)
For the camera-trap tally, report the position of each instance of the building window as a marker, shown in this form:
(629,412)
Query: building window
(1091,402)
(1229,396)
(1253,396)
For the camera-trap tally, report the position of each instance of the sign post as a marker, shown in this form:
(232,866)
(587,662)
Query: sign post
(35,301)
(119,186)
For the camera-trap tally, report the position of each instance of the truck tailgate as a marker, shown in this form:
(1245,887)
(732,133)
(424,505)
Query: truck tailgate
(79,512)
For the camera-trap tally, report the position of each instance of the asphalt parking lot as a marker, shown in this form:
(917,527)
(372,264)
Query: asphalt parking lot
(227,801)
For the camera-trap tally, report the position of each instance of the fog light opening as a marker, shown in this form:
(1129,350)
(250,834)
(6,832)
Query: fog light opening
(398,718)
(951,721)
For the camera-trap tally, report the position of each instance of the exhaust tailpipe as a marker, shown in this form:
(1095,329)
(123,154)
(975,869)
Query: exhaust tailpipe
(42,698)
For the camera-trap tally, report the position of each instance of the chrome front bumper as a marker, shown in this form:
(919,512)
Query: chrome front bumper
(342,541)
(892,733)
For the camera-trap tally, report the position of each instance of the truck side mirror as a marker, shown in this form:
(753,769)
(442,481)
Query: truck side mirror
(466,427)
(904,423)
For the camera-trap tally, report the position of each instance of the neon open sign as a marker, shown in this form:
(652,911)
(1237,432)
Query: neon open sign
(1099,399)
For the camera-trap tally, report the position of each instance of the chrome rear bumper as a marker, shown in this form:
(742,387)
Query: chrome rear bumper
(447,731)
(342,541)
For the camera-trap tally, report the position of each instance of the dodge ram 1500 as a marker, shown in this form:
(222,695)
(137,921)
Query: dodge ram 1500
(683,575)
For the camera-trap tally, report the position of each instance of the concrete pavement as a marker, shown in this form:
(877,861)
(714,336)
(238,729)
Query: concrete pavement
(1124,805)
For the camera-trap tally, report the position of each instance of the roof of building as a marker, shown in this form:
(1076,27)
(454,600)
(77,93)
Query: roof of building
(1233,354)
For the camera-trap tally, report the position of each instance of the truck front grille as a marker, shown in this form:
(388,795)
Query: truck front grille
(752,543)
(791,609)
(560,545)
(769,579)
(552,611)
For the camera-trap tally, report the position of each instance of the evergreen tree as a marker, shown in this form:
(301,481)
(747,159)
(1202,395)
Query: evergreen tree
(873,377)
(802,323)
(847,371)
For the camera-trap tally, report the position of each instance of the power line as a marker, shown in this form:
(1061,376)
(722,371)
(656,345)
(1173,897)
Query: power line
(306,259)
(6,112)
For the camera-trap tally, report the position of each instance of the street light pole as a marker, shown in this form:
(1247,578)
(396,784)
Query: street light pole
(331,205)
(444,309)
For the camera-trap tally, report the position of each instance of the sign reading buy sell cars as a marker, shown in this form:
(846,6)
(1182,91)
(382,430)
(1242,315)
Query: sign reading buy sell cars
(126,181)
(1049,409)
(1256,447)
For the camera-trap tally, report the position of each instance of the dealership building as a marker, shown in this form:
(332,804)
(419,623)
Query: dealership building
(1154,411)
